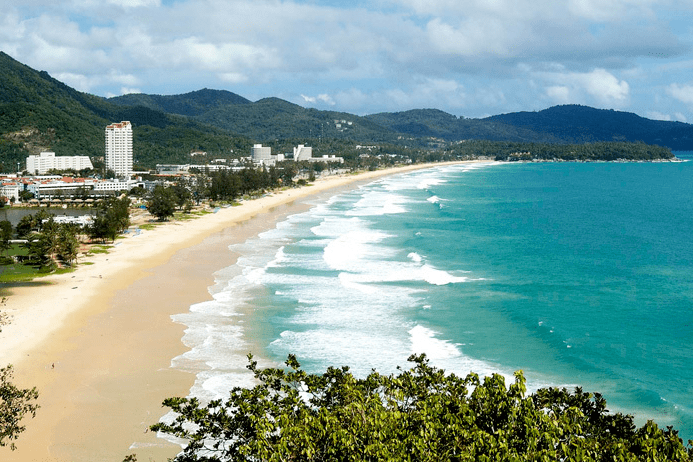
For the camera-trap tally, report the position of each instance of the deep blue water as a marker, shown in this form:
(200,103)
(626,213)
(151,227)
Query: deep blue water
(581,274)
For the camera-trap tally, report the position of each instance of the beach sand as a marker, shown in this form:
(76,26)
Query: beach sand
(98,343)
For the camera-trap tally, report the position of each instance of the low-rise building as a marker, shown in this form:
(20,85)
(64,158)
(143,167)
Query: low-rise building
(9,190)
(67,186)
(46,161)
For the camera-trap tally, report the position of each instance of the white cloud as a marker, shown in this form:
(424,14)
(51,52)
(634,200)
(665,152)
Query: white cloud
(598,86)
(559,94)
(655,115)
(135,3)
(478,55)
(610,10)
(127,91)
(233,77)
(677,116)
(327,99)
(683,93)
(604,86)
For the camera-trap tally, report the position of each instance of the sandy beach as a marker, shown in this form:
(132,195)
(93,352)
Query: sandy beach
(98,342)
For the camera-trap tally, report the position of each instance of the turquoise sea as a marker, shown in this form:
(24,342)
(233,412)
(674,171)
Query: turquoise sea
(580,274)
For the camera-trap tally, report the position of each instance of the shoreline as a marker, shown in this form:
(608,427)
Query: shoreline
(98,343)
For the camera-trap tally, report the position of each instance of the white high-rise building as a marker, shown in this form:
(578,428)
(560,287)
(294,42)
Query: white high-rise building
(261,153)
(40,165)
(119,148)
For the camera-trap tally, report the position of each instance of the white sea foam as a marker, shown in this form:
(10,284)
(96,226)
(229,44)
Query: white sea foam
(379,203)
(349,289)
(415,257)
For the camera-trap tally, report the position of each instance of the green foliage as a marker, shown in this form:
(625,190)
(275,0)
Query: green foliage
(5,235)
(191,104)
(569,124)
(421,414)
(603,151)
(68,244)
(111,217)
(229,185)
(39,113)
(162,203)
(15,404)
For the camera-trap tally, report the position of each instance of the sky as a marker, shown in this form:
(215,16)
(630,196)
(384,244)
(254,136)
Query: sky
(471,58)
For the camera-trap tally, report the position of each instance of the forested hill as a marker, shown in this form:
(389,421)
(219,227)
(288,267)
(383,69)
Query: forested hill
(39,113)
(581,124)
(438,124)
(559,124)
(191,104)
(266,119)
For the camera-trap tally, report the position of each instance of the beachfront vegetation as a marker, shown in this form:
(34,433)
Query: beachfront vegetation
(15,404)
(602,151)
(111,217)
(420,414)
(228,185)
(50,245)
(5,236)
(162,203)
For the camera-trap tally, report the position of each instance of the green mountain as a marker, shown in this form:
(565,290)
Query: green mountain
(583,124)
(559,124)
(39,113)
(265,120)
(438,124)
(191,104)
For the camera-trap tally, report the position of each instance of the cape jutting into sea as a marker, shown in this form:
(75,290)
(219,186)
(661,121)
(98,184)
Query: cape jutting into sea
(580,274)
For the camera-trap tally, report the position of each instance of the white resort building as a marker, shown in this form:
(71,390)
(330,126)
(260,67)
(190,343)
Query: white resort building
(119,149)
(303,153)
(42,164)
(260,153)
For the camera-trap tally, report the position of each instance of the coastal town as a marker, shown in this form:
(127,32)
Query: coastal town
(39,184)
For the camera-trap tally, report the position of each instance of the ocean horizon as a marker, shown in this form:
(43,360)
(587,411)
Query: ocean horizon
(579,274)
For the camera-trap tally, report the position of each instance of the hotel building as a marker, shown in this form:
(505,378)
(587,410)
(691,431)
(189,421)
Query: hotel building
(119,149)
(42,164)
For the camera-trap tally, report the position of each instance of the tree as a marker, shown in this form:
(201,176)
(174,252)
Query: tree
(68,245)
(181,195)
(25,226)
(162,204)
(25,196)
(5,235)
(110,218)
(15,404)
(421,414)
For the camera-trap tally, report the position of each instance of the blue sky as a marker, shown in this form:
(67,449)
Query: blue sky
(470,58)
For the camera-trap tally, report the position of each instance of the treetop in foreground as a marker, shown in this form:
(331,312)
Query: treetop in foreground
(15,404)
(420,414)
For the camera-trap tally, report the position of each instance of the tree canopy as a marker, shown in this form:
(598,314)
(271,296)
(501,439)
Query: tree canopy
(420,414)
(15,404)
